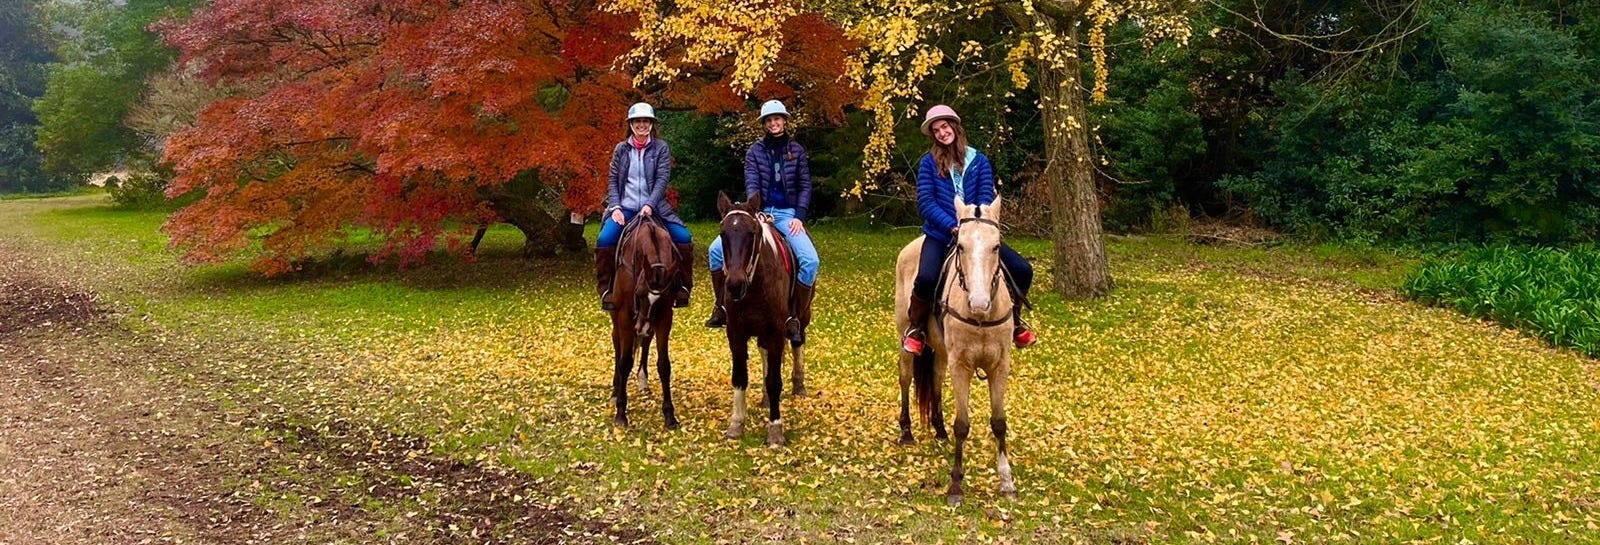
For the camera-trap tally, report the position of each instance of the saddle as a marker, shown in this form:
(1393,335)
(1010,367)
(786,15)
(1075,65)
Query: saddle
(791,264)
(633,225)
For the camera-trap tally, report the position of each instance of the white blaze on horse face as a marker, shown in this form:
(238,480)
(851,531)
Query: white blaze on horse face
(979,258)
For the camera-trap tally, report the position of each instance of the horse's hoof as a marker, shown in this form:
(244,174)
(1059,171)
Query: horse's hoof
(906,438)
(1009,495)
(735,432)
(775,436)
(953,499)
(672,423)
(941,435)
(621,422)
(799,391)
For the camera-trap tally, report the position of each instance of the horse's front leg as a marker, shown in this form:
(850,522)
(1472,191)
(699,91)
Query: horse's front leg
(961,383)
(664,370)
(997,423)
(772,352)
(739,347)
(622,344)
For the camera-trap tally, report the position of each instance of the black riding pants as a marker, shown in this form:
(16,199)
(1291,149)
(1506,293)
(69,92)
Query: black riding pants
(933,253)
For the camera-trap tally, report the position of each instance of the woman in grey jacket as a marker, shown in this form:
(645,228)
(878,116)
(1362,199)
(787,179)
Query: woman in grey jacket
(640,169)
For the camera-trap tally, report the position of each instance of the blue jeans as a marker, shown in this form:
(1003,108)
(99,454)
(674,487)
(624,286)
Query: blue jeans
(610,231)
(804,251)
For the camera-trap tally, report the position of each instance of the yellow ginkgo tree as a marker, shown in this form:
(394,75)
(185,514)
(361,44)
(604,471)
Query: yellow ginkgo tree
(900,43)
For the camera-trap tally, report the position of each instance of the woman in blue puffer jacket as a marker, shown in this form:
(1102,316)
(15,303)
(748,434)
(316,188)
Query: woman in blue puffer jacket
(953,168)
(777,168)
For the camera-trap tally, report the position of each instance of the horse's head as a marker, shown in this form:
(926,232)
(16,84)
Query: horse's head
(652,257)
(741,242)
(978,252)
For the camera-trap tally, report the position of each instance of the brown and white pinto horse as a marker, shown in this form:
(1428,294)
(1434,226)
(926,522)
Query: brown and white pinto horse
(969,332)
(645,285)
(759,287)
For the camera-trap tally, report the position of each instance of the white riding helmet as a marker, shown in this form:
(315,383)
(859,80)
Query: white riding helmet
(771,108)
(641,111)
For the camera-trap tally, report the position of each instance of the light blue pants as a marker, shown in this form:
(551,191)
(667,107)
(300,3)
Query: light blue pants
(804,251)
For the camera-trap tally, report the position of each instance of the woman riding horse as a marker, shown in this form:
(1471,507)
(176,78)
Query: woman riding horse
(640,168)
(953,169)
(777,169)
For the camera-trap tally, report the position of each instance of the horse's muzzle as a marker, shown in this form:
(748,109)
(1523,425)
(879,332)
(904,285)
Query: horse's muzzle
(737,290)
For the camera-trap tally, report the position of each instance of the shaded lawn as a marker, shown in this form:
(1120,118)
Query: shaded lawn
(1265,395)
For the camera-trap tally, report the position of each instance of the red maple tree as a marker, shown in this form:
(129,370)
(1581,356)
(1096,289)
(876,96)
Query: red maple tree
(416,120)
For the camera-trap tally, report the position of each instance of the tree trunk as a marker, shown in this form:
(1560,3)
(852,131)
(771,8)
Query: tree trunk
(1080,268)
(545,234)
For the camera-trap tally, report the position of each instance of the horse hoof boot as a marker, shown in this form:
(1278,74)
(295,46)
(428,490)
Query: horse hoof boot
(735,431)
(775,435)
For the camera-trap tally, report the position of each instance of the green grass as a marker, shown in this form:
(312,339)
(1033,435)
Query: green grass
(1219,394)
(1550,292)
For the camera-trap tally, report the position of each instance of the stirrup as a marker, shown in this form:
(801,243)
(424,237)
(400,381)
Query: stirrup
(796,334)
(719,317)
(605,304)
(911,344)
(682,299)
(1024,338)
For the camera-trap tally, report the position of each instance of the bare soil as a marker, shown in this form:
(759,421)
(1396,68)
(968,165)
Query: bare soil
(102,442)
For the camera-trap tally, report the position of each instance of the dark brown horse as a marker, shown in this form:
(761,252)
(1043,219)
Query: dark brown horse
(759,291)
(645,284)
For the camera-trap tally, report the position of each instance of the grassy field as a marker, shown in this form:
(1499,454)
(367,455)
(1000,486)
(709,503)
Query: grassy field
(1239,395)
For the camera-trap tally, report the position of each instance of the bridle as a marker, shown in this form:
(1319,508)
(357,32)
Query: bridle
(755,253)
(961,280)
(630,262)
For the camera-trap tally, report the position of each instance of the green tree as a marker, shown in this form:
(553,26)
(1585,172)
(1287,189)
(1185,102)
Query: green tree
(1483,127)
(23,55)
(106,54)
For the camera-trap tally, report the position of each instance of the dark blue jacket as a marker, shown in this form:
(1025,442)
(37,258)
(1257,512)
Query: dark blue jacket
(936,193)
(796,183)
(657,166)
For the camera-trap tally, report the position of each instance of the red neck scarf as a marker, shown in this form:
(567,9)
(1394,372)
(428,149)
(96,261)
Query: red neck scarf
(639,144)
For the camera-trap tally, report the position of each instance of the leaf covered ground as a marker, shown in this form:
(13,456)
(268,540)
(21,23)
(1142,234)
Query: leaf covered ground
(1238,395)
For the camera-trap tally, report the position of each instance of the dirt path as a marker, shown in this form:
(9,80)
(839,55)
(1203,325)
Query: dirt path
(99,443)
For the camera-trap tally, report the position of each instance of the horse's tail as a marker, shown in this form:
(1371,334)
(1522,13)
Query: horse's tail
(923,379)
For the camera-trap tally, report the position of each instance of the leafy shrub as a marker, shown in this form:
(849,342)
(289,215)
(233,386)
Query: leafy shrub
(1553,293)
(138,190)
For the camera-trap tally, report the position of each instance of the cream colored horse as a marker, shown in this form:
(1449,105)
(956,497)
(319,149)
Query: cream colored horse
(969,332)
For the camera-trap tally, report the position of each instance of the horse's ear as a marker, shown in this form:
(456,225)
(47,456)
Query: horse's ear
(754,204)
(723,204)
(993,210)
(962,210)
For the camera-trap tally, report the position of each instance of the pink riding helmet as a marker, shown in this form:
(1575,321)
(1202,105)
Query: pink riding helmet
(936,113)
